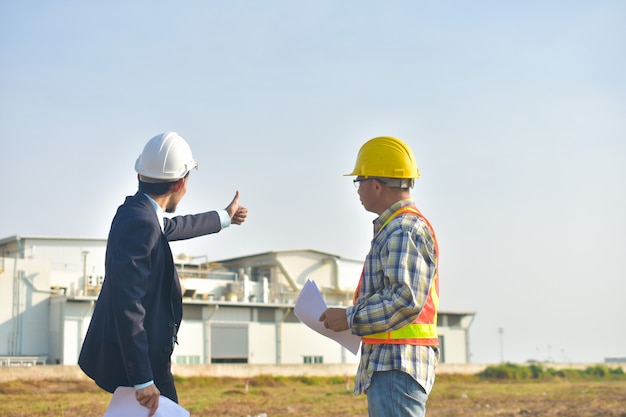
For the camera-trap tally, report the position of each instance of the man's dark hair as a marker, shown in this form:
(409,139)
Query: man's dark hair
(155,188)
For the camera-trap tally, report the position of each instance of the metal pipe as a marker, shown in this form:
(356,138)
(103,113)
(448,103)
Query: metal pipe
(85,281)
(468,354)
(335,274)
(30,282)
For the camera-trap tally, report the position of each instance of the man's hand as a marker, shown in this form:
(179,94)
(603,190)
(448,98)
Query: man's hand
(149,398)
(236,212)
(335,319)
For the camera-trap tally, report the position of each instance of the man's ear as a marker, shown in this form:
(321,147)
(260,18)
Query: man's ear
(178,185)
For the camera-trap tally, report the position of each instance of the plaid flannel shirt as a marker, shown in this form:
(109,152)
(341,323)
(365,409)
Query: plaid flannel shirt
(398,273)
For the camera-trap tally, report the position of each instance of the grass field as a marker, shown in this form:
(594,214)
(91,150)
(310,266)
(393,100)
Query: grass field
(452,396)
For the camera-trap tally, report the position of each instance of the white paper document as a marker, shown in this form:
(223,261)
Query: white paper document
(309,307)
(124,404)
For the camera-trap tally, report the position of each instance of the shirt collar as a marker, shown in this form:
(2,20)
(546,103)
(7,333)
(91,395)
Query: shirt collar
(159,211)
(380,220)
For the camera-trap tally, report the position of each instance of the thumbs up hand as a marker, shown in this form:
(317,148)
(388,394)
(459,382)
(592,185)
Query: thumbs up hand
(236,212)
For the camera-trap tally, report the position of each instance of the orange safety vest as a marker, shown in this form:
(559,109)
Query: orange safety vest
(423,330)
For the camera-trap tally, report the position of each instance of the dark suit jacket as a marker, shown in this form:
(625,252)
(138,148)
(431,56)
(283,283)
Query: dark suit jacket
(129,340)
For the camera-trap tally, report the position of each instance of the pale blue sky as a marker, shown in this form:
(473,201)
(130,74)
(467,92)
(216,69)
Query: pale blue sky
(516,112)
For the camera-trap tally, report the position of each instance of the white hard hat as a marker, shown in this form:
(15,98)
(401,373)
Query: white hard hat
(166,157)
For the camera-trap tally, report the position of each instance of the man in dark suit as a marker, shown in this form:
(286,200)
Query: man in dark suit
(133,329)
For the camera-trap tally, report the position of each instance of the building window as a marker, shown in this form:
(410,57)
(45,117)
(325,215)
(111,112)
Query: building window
(313,359)
(257,273)
(291,318)
(454,320)
(192,312)
(188,360)
(266,315)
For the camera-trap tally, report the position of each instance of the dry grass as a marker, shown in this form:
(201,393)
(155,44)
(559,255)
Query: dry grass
(328,397)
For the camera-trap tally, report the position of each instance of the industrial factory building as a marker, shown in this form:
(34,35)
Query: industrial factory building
(238,310)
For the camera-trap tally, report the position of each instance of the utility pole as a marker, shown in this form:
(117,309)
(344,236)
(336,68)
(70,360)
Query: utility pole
(501,333)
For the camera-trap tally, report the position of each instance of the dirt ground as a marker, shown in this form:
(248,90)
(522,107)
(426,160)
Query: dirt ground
(326,398)
(529,399)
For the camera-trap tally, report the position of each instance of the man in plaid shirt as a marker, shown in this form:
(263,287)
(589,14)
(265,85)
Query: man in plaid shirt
(395,304)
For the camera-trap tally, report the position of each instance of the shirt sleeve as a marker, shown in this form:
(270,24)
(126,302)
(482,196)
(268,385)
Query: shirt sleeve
(224,218)
(144,385)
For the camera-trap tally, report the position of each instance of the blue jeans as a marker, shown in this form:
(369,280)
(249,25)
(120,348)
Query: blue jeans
(395,394)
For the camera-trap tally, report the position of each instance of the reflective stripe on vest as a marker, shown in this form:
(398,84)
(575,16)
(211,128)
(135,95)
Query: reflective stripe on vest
(423,330)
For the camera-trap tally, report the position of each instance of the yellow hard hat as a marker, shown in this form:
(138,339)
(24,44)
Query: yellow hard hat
(387,157)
